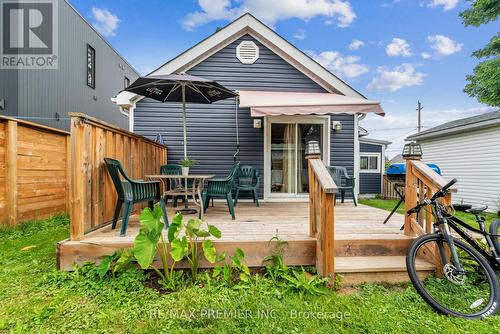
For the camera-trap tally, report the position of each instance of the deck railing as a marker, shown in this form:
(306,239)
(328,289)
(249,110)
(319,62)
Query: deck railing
(421,182)
(322,190)
(93,195)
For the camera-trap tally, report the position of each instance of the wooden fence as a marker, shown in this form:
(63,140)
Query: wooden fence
(92,191)
(33,171)
(388,191)
(322,190)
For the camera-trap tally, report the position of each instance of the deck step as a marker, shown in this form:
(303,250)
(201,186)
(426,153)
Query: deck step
(370,246)
(375,269)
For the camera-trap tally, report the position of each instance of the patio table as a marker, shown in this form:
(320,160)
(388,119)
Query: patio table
(196,189)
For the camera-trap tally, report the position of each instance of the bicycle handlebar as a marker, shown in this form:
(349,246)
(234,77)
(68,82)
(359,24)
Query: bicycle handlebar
(440,193)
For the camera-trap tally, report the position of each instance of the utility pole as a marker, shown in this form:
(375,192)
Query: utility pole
(419,116)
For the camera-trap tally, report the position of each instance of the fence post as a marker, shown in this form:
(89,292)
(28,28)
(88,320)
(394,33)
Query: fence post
(80,178)
(11,181)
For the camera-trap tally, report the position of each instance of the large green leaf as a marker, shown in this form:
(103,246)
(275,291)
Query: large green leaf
(178,249)
(193,226)
(151,221)
(214,231)
(201,233)
(175,227)
(124,260)
(209,251)
(144,250)
(104,266)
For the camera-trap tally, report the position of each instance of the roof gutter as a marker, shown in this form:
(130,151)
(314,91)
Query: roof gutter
(455,130)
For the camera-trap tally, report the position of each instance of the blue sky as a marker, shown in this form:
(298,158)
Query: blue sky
(393,51)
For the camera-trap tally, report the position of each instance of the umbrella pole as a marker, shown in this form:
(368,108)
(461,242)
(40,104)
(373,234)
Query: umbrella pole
(184,118)
(185,142)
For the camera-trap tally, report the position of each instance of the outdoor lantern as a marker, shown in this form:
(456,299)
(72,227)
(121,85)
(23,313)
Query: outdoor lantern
(257,123)
(412,150)
(312,148)
(336,126)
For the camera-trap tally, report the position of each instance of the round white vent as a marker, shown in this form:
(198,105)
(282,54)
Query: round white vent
(247,52)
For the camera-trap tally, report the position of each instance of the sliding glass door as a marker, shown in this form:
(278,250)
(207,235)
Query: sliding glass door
(288,165)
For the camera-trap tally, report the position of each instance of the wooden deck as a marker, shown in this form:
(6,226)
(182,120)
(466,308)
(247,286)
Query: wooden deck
(365,249)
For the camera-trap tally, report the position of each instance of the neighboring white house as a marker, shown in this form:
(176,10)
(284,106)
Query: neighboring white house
(467,149)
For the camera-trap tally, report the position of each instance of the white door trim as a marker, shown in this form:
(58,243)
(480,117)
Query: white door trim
(268,120)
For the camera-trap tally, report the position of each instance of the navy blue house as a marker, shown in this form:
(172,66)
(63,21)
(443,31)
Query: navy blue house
(286,100)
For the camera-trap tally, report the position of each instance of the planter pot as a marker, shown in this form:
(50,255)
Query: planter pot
(185,171)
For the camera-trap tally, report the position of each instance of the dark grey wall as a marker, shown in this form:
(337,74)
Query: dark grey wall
(39,94)
(211,128)
(370,183)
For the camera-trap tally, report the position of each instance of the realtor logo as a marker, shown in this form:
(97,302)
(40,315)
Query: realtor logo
(28,34)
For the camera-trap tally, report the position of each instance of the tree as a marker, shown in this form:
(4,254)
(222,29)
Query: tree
(484,83)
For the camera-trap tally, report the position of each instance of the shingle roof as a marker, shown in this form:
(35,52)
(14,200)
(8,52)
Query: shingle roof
(459,124)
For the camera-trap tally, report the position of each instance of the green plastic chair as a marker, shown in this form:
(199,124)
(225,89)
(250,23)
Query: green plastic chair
(221,188)
(172,169)
(248,179)
(343,181)
(130,192)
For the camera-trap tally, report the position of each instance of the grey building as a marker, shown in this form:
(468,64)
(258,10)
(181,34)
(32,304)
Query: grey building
(307,103)
(89,73)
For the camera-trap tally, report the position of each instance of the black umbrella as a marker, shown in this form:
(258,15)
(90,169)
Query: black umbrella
(180,88)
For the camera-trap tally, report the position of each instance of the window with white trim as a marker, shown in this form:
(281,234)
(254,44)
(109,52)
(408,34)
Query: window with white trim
(369,162)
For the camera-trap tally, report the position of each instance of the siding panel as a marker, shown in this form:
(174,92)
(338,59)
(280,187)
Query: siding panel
(473,158)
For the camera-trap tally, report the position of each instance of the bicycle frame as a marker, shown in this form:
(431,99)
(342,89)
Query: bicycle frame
(458,226)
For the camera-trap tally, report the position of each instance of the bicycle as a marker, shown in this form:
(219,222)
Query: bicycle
(465,283)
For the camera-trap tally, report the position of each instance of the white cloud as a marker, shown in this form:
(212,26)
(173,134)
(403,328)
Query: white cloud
(300,34)
(425,55)
(212,10)
(390,3)
(396,78)
(345,67)
(356,44)
(444,46)
(104,21)
(446,4)
(398,47)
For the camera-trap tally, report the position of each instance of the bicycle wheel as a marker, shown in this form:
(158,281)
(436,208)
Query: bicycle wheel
(495,229)
(472,295)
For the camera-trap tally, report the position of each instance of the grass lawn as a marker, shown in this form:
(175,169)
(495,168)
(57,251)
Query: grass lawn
(35,298)
(389,204)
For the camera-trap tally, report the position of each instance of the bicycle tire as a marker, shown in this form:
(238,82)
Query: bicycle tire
(493,304)
(495,229)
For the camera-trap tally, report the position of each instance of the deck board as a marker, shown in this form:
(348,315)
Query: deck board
(289,220)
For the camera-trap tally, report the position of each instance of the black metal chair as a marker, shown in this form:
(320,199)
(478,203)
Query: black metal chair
(130,192)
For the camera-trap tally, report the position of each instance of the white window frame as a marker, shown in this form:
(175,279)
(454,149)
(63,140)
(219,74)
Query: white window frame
(368,155)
